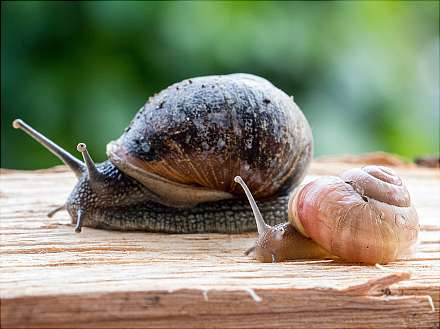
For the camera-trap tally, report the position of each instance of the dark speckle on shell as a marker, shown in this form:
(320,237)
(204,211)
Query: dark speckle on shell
(207,130)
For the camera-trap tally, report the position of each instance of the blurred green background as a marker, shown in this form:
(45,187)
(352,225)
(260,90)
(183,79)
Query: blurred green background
(366,74)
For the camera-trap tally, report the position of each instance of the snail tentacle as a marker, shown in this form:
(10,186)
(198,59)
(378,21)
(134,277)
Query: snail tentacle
(69,160)
(262,227)
(94,176)
(57,209)
(79,222)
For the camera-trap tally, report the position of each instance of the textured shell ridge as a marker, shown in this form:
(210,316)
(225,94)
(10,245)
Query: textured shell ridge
(363,215)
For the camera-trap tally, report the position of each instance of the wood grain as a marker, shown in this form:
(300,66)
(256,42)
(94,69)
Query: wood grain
(52,277)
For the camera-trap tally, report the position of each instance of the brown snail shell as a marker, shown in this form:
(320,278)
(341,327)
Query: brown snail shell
(364,215)
(189,141)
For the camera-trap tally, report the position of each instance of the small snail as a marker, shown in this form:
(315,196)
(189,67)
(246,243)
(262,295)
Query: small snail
(173,168)
(364,215)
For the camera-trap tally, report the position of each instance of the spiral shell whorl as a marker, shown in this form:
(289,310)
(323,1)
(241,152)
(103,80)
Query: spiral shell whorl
(379,183)
(365,215)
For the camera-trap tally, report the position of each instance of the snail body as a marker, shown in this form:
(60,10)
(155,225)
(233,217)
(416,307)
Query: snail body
(173,168)
(362,215)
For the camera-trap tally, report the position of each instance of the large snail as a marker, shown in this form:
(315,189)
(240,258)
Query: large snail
(173,168)
(364,215)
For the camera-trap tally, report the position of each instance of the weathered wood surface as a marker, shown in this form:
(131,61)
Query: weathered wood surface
(52,277)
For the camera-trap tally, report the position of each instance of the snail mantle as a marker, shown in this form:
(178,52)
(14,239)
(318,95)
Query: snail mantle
(51,277)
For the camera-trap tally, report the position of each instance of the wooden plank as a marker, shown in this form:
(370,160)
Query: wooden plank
(51,277)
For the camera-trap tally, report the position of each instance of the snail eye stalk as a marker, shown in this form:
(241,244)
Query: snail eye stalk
(262,227)
(94,175)
(69,160)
